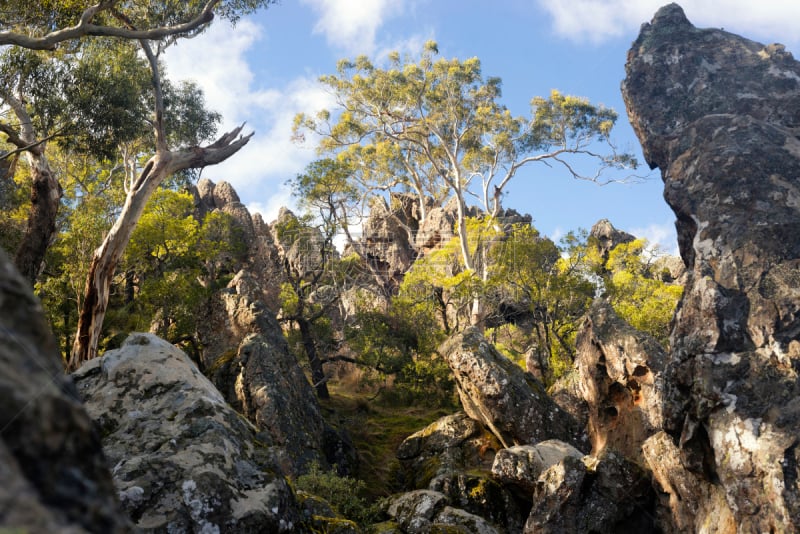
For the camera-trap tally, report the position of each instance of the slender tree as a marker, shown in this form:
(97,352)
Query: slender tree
(164,163)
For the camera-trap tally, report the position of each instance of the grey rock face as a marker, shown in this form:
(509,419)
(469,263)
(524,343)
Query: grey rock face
(605,237)
(507,400)
(54,474)
(609,495)
(720,116)
(522,465)
(183,460)
(452,456)
(260,377)
(619,371)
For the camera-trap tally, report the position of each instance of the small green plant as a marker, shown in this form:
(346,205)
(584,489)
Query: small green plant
(343,493)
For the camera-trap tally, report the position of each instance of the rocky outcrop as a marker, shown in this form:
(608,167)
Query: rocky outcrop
(605,237)
(453,456)
(720,116)
(55,477)
(507,400)
(259,256)
(260,377)
(183,460)
(520,466)
(605,495)
(619,371)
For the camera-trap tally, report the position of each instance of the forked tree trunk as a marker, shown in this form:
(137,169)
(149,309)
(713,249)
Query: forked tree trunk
(45,199)
(105,260)
(107,256)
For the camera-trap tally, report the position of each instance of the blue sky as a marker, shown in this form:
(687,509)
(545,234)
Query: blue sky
(265,70)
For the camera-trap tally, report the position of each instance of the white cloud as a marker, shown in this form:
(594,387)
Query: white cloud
(662,235)
(599,20)
(352,24)
(270,208)
(217,61)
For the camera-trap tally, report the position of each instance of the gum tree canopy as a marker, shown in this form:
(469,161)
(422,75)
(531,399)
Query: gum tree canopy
(40,87)
(435,127)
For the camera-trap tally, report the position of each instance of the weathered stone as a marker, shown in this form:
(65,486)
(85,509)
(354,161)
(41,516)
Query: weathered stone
(688,501)
(415,510)
(477,493)
(451,444)
(605,237)
(719,115)
(506,399)
(263,381)
(611,495)
(388,232)
(521,465)
(182,459)
(54,474)
(566,392)
(620,379)
(463,521)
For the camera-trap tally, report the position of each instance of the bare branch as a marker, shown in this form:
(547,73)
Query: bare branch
(85,27)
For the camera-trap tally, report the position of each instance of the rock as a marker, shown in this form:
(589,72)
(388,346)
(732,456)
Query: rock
(719,115)
(437,228)
(183,460)
(262,380)
(415,510)
(521,465)
(613,495)
(468,523)
(386,242)
(566,393)
(619,371)
(689,502)
(506,399)
(605,237)
(450,444)
(452,456)
(55,477)
(477,493)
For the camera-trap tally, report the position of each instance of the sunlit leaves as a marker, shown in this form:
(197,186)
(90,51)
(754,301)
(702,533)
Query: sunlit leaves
(636,291)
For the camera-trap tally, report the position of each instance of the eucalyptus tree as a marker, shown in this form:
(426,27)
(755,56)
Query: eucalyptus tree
(88,100)
(171,154)
(436,127)
(34,83)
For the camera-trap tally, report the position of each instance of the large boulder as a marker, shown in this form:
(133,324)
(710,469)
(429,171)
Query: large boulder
(604,495)
(720,115)
(55,477)
(183,460)
(507,400)
(453,456)
(605,237)
(620,380)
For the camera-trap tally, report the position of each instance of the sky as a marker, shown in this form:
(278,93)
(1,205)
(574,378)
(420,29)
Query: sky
(265,69)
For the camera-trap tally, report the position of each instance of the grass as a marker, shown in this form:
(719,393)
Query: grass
(377,430)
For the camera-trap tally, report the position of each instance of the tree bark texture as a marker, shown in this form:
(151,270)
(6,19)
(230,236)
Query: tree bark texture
(108,254)
(45,198)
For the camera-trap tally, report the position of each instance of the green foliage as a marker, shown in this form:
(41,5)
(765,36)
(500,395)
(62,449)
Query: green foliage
(636,292)
(343,493)
(398,345)
(171,253)
(436,127)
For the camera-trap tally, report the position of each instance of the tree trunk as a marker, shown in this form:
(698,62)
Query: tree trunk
(45,199)
(317,372)
(105,260)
